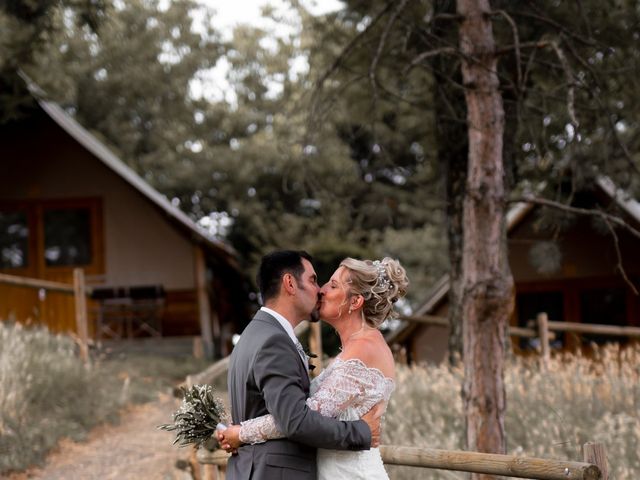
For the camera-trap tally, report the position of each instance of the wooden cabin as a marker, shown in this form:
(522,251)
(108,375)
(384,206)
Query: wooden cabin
(67,201)
(579,281)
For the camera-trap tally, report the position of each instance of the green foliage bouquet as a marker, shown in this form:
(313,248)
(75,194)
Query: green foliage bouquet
(197,419)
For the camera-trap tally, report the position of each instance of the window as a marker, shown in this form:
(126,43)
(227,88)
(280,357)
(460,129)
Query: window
(67,237)
(604,306)
(51,237)
(530,304)
(14,239)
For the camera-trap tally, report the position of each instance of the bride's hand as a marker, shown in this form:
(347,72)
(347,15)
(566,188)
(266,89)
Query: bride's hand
(229,438)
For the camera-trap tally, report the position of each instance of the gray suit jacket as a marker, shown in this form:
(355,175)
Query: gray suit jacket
(266,375)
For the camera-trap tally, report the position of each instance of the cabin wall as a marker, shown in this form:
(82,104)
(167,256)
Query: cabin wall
(588,266)
(430,343)
(140,246)
(40,161)
(586,252)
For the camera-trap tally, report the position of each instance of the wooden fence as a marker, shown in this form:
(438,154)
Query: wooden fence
(78,289)
(545,330)
(594,466)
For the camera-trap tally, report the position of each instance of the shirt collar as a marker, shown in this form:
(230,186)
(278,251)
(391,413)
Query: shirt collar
(282,321)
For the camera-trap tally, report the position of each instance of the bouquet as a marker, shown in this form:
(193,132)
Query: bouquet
(198,418)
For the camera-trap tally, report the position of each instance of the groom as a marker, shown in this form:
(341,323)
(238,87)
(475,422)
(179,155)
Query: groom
(268,374)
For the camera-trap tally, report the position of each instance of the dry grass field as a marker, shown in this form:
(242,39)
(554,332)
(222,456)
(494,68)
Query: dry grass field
(549,415)
(47,394)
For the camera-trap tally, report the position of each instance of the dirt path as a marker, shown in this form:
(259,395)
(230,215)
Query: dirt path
(132,449)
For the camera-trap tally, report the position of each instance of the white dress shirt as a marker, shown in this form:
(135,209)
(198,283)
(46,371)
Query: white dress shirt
(282,321)
(289,329)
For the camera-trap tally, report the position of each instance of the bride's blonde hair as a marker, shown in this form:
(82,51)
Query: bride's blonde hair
(381,283)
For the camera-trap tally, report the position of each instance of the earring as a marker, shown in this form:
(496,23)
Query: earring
(350,310)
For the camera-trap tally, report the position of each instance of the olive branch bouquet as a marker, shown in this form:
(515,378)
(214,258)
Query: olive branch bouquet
(197,419)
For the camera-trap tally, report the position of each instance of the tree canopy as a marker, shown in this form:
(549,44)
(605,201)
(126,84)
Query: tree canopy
(353,151)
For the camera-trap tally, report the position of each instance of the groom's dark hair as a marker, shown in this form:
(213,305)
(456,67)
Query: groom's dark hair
(274,265)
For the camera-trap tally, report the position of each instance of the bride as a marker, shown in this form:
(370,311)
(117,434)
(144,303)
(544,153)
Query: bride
(355,301)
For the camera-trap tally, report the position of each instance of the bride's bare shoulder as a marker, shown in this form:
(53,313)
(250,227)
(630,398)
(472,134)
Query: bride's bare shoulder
(373,352)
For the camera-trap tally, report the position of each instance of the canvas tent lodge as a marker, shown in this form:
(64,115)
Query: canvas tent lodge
(66,201)
(577,282)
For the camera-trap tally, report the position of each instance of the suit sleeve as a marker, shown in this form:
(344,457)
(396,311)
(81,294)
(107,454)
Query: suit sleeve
(277,374)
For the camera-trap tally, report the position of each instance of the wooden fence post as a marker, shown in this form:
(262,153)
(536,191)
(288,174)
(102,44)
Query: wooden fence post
(315,345)
(201,471)
(79,294)
(543,333)
(596,454)
(211,472)
(204,307)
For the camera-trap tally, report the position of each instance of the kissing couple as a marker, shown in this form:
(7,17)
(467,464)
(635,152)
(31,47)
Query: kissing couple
(286,426)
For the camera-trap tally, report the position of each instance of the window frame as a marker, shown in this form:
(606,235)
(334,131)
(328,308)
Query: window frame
(35,209)
(571,289)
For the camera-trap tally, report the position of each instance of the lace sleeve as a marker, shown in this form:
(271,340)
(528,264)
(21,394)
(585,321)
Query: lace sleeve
(341,389)
(259,430)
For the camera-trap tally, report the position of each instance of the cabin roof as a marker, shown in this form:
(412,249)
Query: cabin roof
(111,161)
(515,216)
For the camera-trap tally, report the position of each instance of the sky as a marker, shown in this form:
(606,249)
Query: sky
(211,84)
(232,12)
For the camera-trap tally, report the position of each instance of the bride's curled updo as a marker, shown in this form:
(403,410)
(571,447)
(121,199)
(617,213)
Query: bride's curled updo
(381,283)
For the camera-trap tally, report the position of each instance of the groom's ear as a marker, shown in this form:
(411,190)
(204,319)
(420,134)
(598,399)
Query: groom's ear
(288,284)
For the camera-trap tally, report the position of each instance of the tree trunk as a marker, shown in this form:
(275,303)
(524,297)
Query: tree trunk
(487,284)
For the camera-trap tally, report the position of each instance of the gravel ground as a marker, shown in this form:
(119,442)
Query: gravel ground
(132,449)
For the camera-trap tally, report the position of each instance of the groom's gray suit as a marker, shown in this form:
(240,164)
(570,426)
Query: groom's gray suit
(267,375)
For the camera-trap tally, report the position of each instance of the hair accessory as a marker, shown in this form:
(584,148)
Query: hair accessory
(383,280)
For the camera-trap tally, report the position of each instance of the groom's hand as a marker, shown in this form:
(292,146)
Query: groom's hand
(372,418)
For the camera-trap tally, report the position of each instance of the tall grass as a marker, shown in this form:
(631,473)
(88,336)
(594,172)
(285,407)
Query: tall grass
(549,415)
(46,393)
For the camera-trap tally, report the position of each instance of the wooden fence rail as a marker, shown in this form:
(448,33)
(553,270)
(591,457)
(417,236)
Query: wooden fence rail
(544,325)
(487,463)
(613,330)
(545,331)
(444,322)
(78,289)
(36,283)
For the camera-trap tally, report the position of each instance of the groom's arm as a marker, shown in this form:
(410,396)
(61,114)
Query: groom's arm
(277,375)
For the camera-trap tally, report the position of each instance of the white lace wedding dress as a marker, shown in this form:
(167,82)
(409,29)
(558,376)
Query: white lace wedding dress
(346,390)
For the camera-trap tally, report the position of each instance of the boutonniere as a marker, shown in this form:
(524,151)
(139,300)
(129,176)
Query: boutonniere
(309,357)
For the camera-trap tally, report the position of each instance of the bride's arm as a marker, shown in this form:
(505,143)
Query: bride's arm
(334,395)
(259,430)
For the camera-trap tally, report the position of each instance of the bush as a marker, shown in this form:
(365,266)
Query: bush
(46,392)
(549,415)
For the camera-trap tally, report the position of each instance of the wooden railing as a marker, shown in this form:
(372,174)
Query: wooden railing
(78,289)
(545,330)
(444,322)
(593,468)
